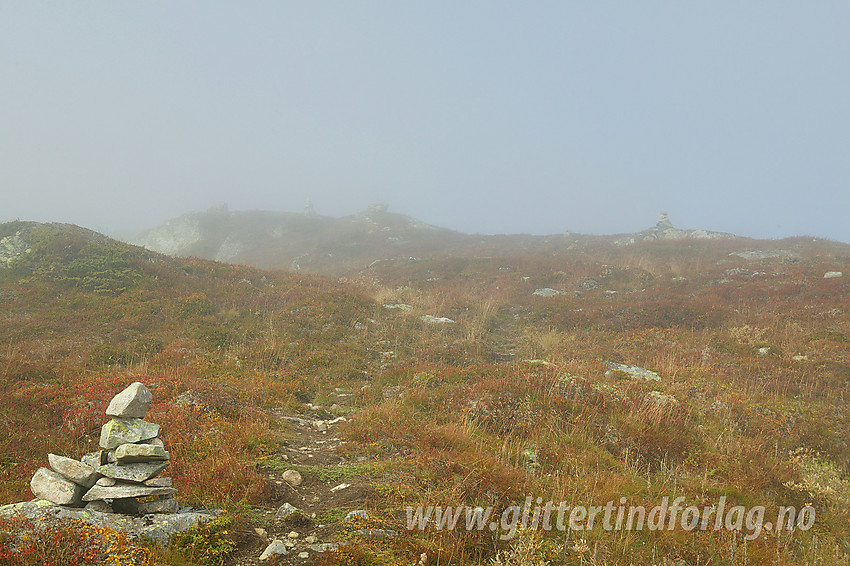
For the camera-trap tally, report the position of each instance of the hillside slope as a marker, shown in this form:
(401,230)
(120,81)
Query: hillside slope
(337,246)
(308,242)
(477,380)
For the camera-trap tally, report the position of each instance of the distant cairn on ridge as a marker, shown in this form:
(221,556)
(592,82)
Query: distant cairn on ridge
(123,476)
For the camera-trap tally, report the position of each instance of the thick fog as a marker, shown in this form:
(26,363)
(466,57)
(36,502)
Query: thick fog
(487,117)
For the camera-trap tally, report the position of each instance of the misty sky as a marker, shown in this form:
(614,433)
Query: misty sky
(490,117)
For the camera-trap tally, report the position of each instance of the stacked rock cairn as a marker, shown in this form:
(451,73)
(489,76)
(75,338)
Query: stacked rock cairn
(122,477)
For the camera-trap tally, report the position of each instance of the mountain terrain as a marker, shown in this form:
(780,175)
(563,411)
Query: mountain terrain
(335,246)
(436,369)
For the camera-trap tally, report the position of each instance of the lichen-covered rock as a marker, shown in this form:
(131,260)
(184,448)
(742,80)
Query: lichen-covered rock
(96,459)
(120,431)
(635,371)
(158,482)
(47,484)
(73,470)
(133,402)
(131,453)
(138,473)
(125,490)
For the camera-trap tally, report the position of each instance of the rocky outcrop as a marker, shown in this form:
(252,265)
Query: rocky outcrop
(664,230)
(12,247)
(160,527)
(174,237)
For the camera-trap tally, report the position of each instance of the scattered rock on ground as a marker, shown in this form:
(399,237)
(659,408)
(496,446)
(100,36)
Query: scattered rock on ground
(292,477)
(324,547)
(275,548)
(431,319)
(546,292)
(635,371)
(285,511)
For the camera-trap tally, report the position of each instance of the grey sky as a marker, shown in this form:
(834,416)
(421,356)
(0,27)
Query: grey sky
(480,116)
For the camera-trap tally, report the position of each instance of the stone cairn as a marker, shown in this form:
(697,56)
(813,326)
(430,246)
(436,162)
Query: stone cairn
(122,477)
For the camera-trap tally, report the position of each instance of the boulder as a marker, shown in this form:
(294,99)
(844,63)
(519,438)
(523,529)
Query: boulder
(138,473)
(131,453)
(73,470)
(133,402)
(125,490)
(120,431)
(47,484)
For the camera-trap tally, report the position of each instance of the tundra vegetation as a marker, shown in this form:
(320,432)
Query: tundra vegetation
(512,399)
